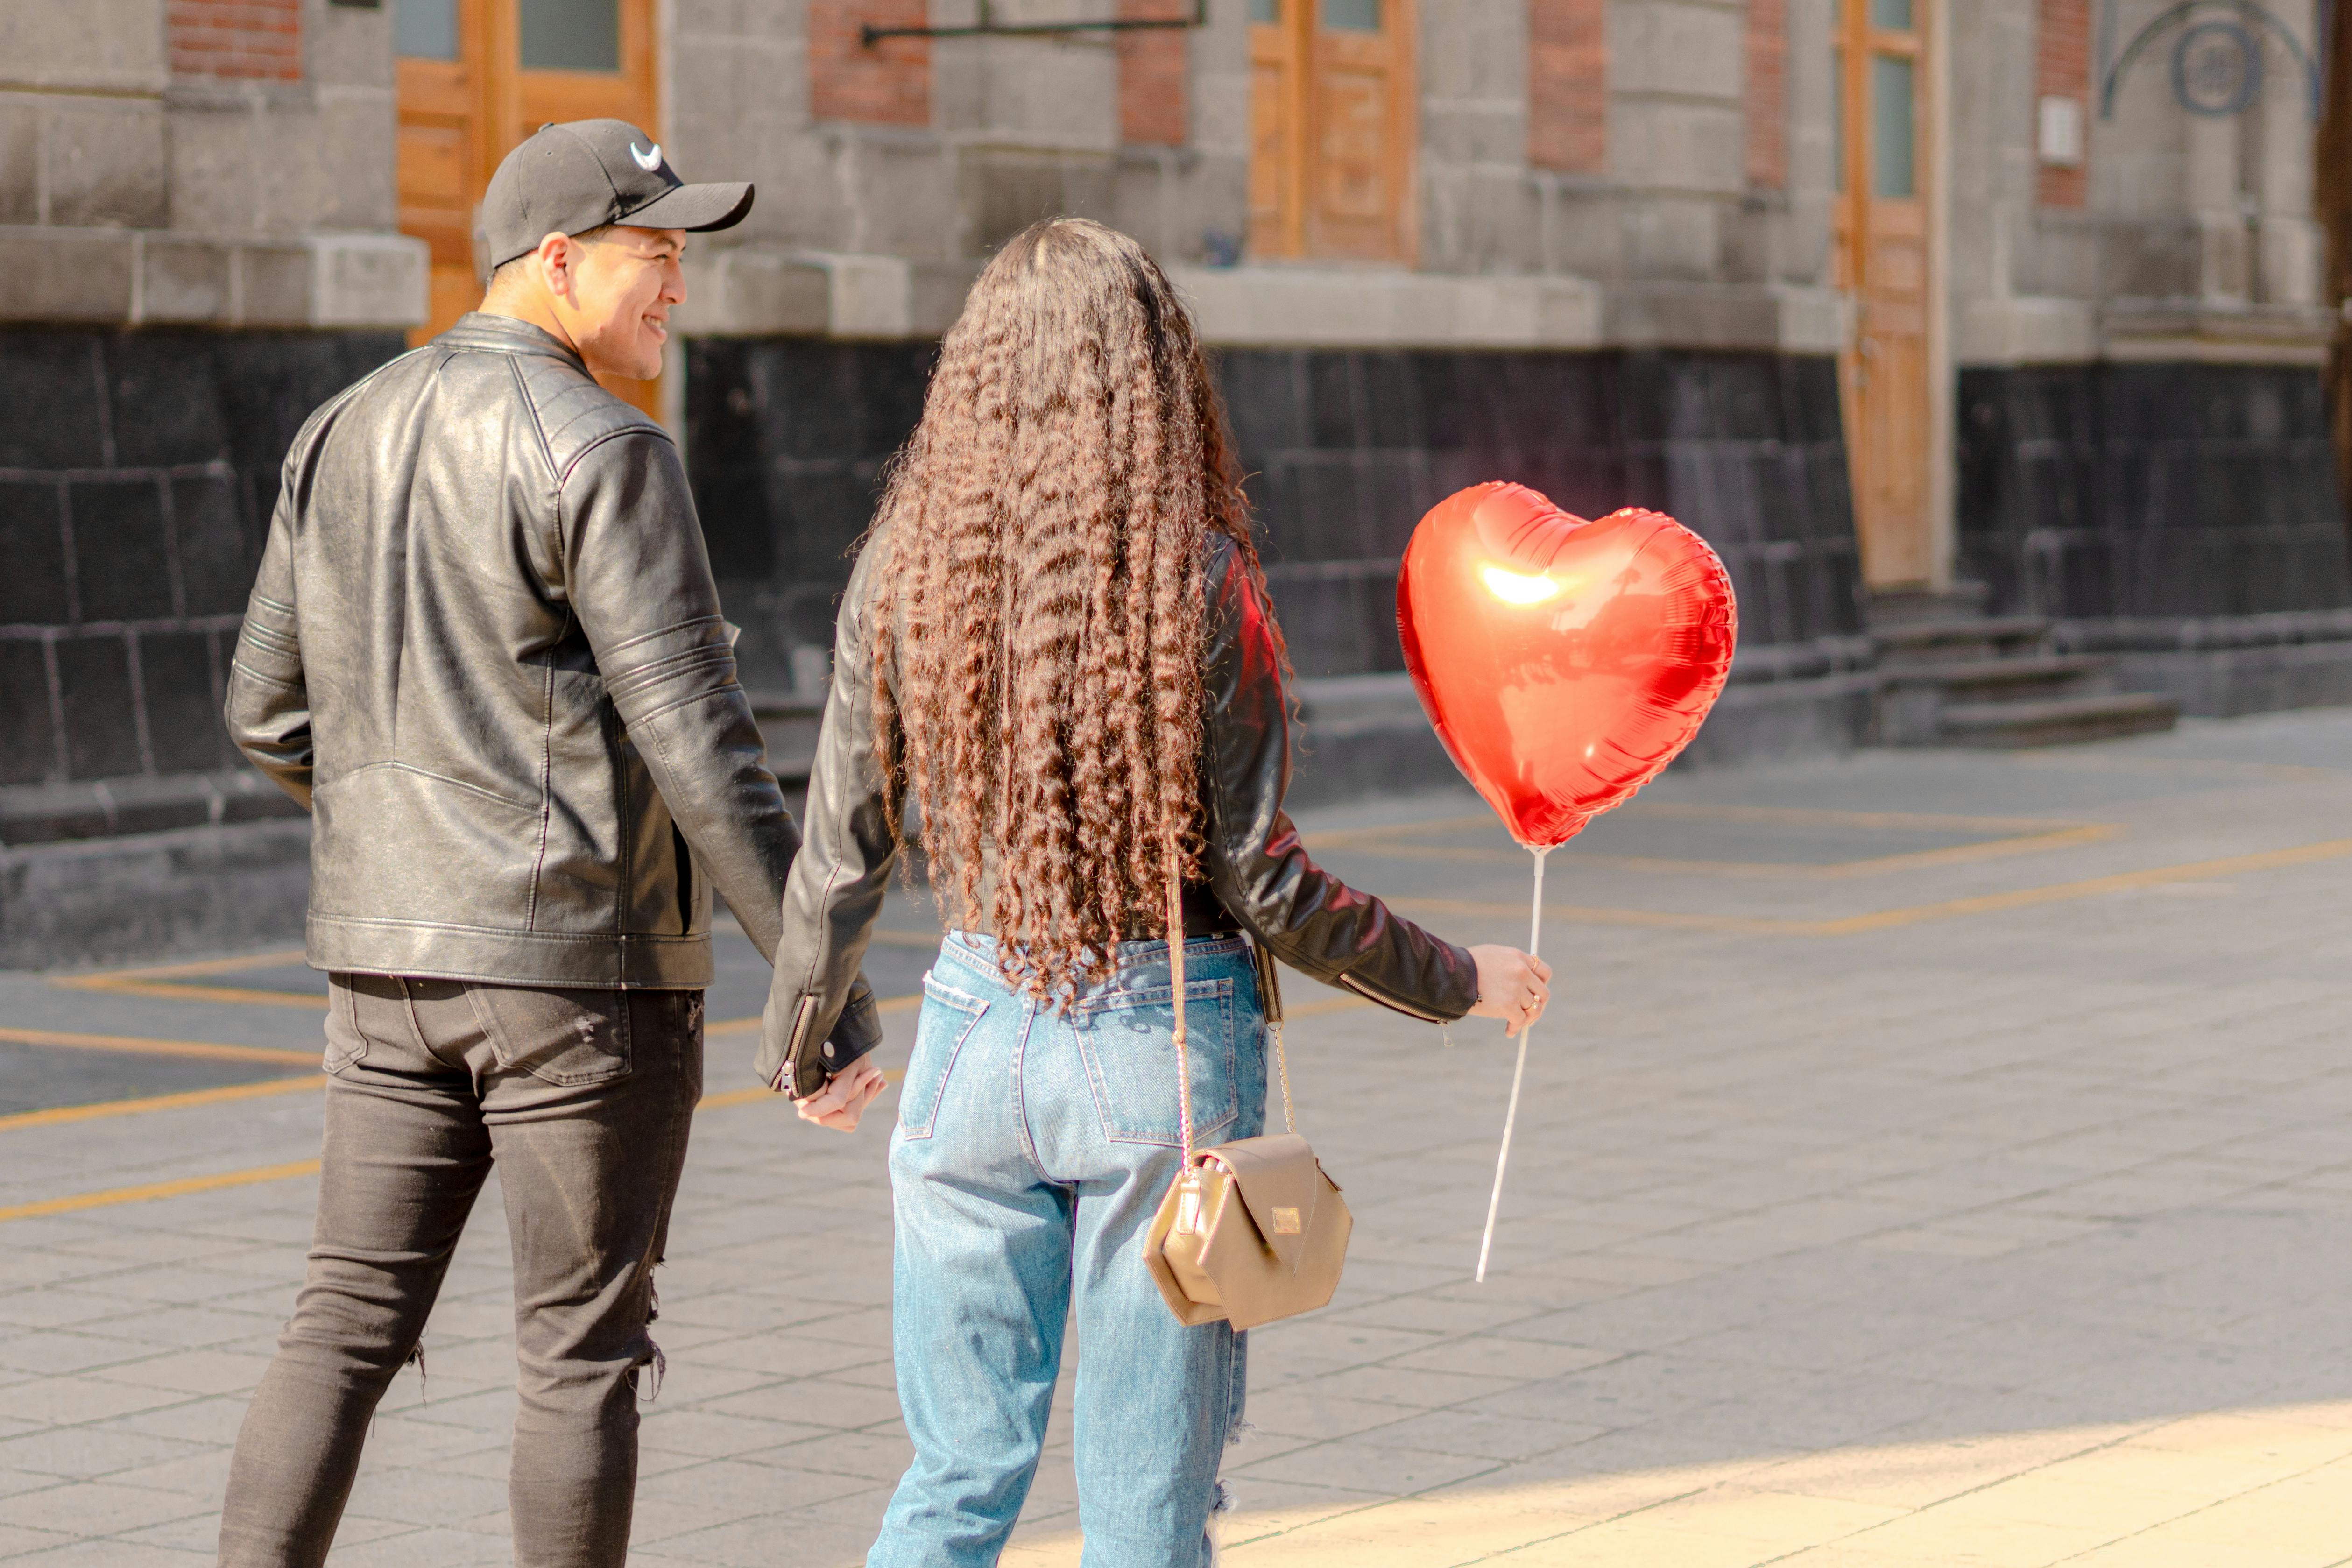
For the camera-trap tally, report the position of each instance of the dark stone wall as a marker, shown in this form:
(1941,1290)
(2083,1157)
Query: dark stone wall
(138,469)
(2152,490)
(1346,450)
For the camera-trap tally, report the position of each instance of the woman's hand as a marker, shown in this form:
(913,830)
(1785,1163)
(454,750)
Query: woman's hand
(1512,986)
(843,1100)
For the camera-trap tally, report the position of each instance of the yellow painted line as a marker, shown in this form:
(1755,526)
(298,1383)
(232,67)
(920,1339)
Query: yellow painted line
(201,1050)
(2025,897)
(174,971)
(1836,870)
(59,1115)
(1888,920)
(234,995)
(148,1191)
(1697,811)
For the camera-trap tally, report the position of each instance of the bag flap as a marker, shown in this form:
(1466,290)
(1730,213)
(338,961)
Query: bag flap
(1279,1182)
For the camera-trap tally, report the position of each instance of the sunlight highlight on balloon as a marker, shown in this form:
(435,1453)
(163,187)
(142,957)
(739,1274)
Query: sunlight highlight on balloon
(1517,588)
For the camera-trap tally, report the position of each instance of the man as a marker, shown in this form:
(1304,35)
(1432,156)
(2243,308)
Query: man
(486,651)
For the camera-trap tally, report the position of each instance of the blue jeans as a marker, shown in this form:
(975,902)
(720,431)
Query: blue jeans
(1034,1146)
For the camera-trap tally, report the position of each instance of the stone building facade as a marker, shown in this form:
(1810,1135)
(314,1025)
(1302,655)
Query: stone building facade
(1881,295)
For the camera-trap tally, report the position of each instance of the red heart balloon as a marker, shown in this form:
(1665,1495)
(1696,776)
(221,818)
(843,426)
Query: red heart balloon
(1563,662)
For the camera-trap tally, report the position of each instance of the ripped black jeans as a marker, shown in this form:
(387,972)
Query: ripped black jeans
(584,1100)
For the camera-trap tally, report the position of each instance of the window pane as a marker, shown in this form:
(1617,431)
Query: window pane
(425,29)
(572,35)
(1894,15)
(1837,120)
(1265,11)
(1890,127)
(1352,16)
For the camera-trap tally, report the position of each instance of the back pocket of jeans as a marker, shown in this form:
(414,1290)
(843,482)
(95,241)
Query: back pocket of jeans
(1129,1043)
(947,1020)
(569,1037)
(347,1042)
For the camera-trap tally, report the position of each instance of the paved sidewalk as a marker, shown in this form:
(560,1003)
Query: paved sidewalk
(1930,1158)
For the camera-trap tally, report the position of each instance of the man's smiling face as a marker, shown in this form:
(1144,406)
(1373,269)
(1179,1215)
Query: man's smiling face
(626,282)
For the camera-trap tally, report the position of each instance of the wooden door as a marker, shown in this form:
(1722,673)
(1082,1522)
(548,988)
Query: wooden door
(1333,128)
(1880,124)
(476,78)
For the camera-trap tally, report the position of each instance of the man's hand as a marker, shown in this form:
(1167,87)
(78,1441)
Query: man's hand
(843,1099)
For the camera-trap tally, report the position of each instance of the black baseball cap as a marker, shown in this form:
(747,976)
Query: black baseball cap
(586,174)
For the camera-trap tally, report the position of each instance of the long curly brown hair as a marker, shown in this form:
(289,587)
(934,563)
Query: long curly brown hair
(1038,622)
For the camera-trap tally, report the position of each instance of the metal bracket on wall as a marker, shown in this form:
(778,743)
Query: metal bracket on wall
(987,27)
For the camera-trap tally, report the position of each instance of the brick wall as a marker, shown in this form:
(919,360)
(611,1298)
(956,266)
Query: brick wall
(1768,93)
(1568,84)
(1151,78)
(236,37)
(2062,69)
(889,84)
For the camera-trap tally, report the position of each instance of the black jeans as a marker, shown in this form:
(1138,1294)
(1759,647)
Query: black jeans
(584,1098)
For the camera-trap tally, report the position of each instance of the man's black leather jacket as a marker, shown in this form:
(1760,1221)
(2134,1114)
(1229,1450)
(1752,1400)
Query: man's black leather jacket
(1260,878)
(484,649)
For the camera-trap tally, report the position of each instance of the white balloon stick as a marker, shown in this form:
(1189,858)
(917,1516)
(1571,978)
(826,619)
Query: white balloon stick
(1511,1117)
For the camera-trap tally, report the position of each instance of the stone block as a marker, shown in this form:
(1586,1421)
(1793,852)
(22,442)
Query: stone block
(65,275)
(1678,238)
(742,291)
(20,161)
(105,163)
(2024,331)
(367,281)
(1221,110)
(273,285)
(999,194)
(183,279)
(1683,48)
(903,200)
(91,45)
(197,888)
(347,45)
(341,158)
(1677,145)
(1474,131)
(1247,306)
(1475,49)
(1480,221)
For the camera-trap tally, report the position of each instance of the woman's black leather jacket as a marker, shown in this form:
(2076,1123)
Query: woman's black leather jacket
(1260,878)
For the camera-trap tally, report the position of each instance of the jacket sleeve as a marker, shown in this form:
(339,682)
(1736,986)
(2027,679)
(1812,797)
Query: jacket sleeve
(834,894)
(268,706)
(1257,868)
(639,582)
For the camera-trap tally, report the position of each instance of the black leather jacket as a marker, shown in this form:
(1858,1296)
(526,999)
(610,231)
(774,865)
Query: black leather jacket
(1260,878)
(484,649)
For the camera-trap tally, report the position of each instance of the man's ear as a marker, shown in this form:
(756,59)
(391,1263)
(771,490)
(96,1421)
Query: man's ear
(559,261)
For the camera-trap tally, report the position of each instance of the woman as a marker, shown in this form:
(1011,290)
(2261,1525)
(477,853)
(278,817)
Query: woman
(1057,645)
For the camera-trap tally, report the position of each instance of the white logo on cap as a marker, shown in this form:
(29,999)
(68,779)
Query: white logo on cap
(648,162)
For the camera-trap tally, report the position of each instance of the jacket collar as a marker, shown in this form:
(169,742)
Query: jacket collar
(505,334)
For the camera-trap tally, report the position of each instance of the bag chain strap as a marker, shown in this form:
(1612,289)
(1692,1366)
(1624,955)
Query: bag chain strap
(1183,1064)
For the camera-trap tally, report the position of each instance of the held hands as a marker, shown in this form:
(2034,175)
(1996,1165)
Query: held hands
(1512,985)
(842,1101)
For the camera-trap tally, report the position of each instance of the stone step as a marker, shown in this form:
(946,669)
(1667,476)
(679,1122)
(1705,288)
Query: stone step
(2011,676)
(1962,601)
(1982,636)
(2057,721)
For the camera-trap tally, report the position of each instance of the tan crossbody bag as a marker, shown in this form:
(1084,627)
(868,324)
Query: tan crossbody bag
(1252,1230)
